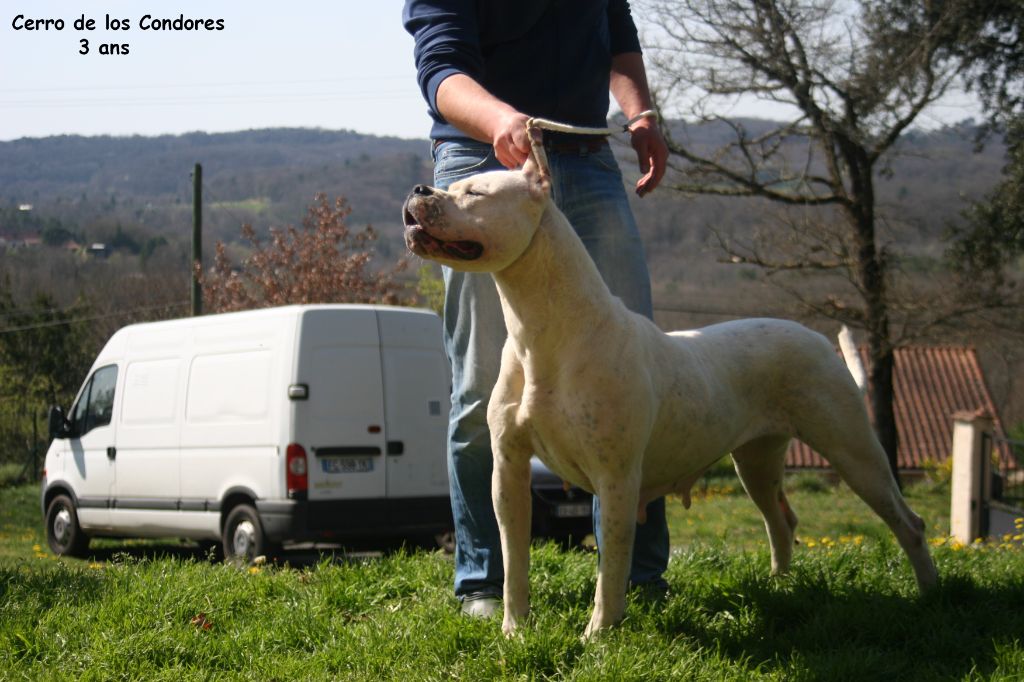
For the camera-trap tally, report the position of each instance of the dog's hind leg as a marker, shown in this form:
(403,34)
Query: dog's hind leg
(759,465)
(860,461)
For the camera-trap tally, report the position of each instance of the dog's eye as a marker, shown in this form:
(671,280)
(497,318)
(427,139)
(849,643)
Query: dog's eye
(475,193)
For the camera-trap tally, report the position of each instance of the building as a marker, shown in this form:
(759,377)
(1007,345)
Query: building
(931,384)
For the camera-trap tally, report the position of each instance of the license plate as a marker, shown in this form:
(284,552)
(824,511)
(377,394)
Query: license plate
(346,465)
(572,511)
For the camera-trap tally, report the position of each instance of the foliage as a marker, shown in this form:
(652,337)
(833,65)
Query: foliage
(987,250)
(430,288)
(323,262)
(986,38)
(44,354)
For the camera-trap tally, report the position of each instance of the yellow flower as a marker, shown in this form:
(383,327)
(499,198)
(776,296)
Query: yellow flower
(253,570)
(812,543)
(95,566)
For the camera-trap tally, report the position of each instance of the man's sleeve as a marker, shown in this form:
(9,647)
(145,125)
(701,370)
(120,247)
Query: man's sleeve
(622,30)
(447,42)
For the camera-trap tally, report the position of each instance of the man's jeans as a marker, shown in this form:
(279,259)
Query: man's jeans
(587,186)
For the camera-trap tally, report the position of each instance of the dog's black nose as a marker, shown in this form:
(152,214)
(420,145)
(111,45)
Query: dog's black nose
(422,190)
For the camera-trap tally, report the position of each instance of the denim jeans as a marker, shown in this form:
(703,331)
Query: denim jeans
(587,186)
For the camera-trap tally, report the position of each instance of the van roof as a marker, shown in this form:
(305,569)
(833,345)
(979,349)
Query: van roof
(114,345)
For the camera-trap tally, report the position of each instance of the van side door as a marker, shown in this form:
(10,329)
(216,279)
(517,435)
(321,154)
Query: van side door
(91,446)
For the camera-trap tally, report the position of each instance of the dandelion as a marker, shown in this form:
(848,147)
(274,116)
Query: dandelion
(937,542)
(37,548)
(956,545)
(811,543)
(253,570)
(95,566)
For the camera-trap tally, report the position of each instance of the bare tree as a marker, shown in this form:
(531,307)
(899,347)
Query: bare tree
(853,75)
(323,262)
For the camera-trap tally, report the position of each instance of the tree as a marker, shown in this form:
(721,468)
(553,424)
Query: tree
(44,353)
(323,262)
(854,75)
(988,41)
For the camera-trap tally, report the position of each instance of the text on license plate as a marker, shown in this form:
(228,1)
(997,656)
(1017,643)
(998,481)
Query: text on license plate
(346,465)
(566,511)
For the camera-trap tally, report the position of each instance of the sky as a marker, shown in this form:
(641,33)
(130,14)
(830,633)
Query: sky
(345,64)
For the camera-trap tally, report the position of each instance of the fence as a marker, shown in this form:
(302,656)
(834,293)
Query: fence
(987,495)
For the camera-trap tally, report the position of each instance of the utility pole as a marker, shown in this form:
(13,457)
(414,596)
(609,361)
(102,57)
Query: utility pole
(197,239)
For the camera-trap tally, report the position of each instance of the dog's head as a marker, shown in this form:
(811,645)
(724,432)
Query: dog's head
(482,223)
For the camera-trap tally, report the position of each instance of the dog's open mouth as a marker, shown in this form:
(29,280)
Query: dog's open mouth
(422,243)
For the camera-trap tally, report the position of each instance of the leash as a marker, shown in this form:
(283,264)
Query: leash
(537,144)
(555,126)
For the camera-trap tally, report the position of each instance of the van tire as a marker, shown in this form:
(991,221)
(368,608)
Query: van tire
(243,537)
(63,534)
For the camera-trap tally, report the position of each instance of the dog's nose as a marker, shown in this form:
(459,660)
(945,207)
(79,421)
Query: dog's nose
(422,190)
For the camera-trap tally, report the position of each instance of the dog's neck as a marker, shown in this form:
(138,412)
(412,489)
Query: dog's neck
(553,294)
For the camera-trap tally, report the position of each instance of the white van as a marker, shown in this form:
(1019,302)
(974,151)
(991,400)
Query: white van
(254,428)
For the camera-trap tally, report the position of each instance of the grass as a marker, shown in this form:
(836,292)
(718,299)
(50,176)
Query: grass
(848,611)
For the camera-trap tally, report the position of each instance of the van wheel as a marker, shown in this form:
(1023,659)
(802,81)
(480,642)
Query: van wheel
(63,534)
(243,535)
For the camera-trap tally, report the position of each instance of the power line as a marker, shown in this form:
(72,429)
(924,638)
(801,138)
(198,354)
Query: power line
(91,318)
(193,86)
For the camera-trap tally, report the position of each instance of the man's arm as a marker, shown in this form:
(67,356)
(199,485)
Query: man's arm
(472,109)
(628,85)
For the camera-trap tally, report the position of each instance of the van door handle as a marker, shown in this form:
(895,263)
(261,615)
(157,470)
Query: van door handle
(111,452)
(396,447)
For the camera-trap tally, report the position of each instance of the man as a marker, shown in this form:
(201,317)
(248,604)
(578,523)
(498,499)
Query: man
(484,69)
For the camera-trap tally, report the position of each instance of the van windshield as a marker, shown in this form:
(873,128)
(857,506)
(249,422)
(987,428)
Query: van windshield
(95,405)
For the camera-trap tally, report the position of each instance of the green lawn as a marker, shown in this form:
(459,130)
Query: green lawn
(848,611)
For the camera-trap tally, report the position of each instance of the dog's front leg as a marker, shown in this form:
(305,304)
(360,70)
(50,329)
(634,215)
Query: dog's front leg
(618,528)
(510,489)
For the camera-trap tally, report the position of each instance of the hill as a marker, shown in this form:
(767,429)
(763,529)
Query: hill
(134,194)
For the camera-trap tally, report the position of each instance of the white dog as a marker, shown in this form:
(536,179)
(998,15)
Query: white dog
(614,405)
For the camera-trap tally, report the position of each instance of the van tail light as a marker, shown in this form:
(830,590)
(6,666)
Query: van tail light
(296,472)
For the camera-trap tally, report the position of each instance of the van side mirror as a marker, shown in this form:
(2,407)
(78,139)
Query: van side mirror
(58,424)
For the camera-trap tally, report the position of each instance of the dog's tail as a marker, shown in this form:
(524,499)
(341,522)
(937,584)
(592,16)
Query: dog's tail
(852,357)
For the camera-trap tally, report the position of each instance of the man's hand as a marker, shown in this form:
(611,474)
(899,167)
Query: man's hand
(470,108)
(651,152)
(510,139)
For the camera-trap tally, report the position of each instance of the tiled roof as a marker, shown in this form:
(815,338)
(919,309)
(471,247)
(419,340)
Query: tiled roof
(931,384)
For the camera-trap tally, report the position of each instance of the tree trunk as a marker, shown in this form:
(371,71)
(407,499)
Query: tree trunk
(882,408)
(871,272)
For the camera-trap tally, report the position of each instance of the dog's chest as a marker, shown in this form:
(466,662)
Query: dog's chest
(579,434)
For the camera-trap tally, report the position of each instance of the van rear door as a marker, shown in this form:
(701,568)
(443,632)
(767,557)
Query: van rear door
(417,389)
(341,422)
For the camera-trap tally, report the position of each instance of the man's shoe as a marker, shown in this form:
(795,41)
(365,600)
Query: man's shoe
(481,607)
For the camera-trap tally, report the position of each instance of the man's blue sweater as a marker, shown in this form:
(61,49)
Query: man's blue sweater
(549,58)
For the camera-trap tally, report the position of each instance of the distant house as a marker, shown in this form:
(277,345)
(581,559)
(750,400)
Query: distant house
(98,250)
(931,384)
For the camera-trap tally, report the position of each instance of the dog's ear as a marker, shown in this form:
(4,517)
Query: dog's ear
(536,171)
